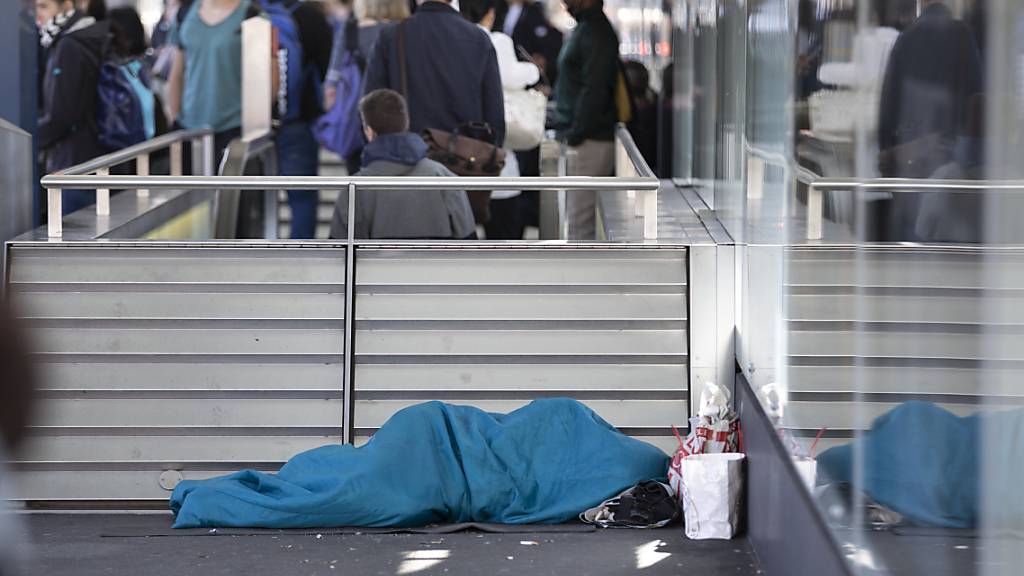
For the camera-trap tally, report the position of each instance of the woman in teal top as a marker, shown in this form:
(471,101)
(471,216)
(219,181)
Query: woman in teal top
(205,86)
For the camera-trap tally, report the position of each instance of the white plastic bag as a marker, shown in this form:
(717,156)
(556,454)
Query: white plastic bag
(712,495)
(714,429)
(525,114)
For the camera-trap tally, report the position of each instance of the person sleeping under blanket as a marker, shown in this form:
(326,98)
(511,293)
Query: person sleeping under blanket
(437,463)
(934,467)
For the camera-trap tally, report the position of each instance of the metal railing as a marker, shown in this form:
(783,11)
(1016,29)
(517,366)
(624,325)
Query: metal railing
(99,167)
(629,161)
(817,185)
(89,176)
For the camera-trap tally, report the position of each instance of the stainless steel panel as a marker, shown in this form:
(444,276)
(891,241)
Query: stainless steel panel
(160,450)
(550,307)
(170,377)
(16,186)
(552,342)
(172,305)
(524,377)
(497,328)
(203,359)
(180,265)
(521,267)
(76,340)
(186,412)
(621,413)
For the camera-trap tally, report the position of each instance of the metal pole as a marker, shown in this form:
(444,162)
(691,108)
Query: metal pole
(176,159)
(142,169)
(348,415)
(103,195)
(54,223)
(208,155)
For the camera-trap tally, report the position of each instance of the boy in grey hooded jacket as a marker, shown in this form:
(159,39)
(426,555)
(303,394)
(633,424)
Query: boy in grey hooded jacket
(394,151)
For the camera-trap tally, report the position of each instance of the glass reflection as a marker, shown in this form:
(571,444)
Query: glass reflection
(866,157)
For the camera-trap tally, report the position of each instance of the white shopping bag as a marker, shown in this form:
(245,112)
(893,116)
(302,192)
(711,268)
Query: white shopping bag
(712,495)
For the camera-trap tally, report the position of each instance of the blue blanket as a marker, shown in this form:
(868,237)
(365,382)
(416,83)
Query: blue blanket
(434,462)
(926,463)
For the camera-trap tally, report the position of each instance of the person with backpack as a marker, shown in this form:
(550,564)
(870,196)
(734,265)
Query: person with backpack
(67,133)
(304,49)
(340,130)
(585,96)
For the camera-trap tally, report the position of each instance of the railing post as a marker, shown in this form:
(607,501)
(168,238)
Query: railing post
(208,156)
(650,198)
(54,215)
(142,169)
(348,434)
(103,195)
(814,210)
(176,161)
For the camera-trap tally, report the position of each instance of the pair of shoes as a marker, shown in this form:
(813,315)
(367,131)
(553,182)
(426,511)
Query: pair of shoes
(649,504)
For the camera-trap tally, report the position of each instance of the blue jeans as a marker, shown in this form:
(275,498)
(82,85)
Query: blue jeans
(298,154)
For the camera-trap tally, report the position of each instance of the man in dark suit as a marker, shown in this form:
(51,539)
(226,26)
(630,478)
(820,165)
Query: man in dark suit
(451,71)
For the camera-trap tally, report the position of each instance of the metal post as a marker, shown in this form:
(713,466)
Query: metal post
(348,415)
(650,198)
(142,169)
(208,155)
(54,223)
(103,195)
(814,209)
(176,159)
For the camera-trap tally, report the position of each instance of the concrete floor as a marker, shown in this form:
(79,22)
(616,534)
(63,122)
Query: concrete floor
(86,545)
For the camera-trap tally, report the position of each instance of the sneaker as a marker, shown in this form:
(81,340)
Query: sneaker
(649,504)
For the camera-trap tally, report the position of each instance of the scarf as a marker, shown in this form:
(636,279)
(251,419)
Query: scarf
(49,32)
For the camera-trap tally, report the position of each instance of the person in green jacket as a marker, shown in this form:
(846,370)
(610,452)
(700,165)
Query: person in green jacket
(585,102)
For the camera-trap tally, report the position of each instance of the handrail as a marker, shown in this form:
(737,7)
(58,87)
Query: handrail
(363,182)
(630,162)
(140,152)
(817,184)
(132,152)
(624,137)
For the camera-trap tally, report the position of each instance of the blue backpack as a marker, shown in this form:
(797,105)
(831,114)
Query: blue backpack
(340,129)
(125,106)
(294,75)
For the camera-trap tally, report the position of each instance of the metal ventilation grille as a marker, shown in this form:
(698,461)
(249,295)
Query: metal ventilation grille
(196,359)
(872,328)
(498,328)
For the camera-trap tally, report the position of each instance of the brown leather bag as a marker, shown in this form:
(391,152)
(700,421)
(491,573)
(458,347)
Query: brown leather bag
(462,154)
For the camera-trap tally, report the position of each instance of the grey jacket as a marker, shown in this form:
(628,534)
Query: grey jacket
(406,214)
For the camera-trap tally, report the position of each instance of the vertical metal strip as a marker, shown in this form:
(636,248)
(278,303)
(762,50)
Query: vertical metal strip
(348,416)
(142,169)
(103,195)
(54,214)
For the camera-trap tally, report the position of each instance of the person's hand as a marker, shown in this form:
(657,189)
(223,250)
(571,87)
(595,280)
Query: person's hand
(330,95)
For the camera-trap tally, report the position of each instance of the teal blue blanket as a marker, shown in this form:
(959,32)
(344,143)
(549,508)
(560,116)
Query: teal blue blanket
(433,463)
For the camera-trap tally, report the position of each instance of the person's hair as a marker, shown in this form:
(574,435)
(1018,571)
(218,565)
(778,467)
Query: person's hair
(475,10)
(95,8)
(129,35)
(637,76)
(384,111)
(382,10)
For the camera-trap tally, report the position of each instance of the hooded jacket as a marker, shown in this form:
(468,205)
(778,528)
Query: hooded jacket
(67,130)
(404,214)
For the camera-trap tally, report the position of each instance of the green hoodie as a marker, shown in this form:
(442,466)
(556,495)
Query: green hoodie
(588,69)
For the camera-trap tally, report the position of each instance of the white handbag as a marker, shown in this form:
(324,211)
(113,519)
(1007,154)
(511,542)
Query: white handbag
(525,113)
